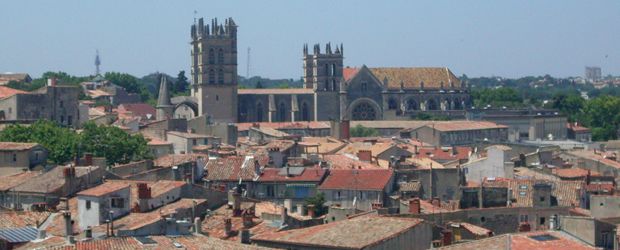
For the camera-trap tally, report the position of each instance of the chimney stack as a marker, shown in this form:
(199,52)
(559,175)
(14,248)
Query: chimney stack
(68,224)
(311,211)
(414,206)
(236,203)
(364,155)
(447,237)
(245,236)
(144,194)
(197,225)
(284,215)
(88,159)
(228,226)
(51,82)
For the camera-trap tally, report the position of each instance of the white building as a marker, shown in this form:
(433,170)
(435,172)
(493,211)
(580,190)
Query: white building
(110,200)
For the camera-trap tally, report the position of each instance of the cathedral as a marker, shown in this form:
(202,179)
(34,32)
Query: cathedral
(330,92)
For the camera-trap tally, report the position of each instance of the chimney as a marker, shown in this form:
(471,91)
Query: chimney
(524,227)
(144,194)
(446,237)
(301,210)
(245,236)
(288,204)
(88,159)
(345,128)
(247,219)
(311,211)
(284,215)
(436,202)
(197,225)
(175,173)
(51,82)
(228,226)
(68,224)
(454,150)
(236,203)
(364,155)
(69,174)
(414,206)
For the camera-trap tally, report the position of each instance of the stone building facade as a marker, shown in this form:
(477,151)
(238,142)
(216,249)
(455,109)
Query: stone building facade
(330,91)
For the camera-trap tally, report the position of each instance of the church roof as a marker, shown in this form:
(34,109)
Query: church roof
(412,78)
(275,91)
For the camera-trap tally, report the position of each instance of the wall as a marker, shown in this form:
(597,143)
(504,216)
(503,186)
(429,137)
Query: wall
(589,230)
(604,206)
(496,164)
(101,207)
(444,185)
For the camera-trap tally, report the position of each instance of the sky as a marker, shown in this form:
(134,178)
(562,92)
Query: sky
(477,38)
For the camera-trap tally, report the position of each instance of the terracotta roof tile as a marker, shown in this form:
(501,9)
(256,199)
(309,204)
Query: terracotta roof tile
(465,125)
(14,219)
(103,189)
(359,179)
(10,181)
(232,168)
(178,159)
(341,161)
(7,92)
(143,110)
(18,146)
(567,193)
(311,174)
(412,78)
(357,233)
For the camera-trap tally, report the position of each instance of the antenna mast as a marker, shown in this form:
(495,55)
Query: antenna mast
(247,70)
(97,63)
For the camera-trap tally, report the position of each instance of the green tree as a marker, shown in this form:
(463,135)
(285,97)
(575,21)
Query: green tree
(127,81)
(114,144)
(318,201)
(181,85)
(60,142)
(569,104)
(602,114)
(259,85)
(361,131)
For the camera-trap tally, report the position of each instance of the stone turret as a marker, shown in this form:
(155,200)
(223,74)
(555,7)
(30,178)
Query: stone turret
(164,107)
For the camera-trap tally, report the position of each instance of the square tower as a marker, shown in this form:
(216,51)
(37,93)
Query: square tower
(214,69)
(323,71)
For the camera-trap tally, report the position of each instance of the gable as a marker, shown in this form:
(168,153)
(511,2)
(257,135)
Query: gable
(362,77)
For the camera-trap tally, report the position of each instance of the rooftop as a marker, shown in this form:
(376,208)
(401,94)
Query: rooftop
(567,193)
(9,181)
(103,189)
(275,91)
(542,240)
(178,159)
(7,92)
(16,146)
(465,125)
(13,219)
(189,135)
(296,174)
(357,179)
(348,161)
(414,78)
(358,232)
(233,168)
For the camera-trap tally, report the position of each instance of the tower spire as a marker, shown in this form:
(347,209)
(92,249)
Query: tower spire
(97,63)
(164,106)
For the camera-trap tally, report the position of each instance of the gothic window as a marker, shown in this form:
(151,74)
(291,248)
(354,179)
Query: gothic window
(432,104)
(392,104)
(211,76)
(333,69)
(211,56)
(220,76)
(305,114)
(364,86)
(282,112)
(259,112)
(220,56)
(412,104)
(364,112)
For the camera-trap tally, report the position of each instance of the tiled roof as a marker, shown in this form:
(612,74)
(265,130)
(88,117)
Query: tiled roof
(356,233)
(270,131)
(6,92)
(412,78)
(158,188)
(12,219)
(138,109)
(297,91)
(311,174)
(16,146)
(103,189)
(573,172)
(476,230)
(189,135)
(244,126)
(177,159)
(524,241)
(358,179)
(412,186)
(567,193)
(324,145)
(465,125)
(98,93)
(51,181)
(444,154)
(588,154)
(577,128)
(341,161)
(348,73)
(10,181)
(231,168)
(279,145)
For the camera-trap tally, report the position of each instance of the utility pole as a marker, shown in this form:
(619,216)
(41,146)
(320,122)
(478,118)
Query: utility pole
(247,69)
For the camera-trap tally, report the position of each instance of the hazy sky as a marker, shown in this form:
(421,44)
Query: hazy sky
(501,38)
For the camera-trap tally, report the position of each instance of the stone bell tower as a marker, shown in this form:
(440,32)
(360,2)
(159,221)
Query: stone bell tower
(214,69)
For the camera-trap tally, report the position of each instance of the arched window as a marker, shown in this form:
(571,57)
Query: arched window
(259,112)
(364,112)
(305,114)
(432,104)
(412,104)
(282,112)
(220,76)
(211,56)
(392,104)
(211,76)
(220,56)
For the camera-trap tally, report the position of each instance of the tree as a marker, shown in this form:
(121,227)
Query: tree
(181,84)
(568,104)
(259,85)
(127,81)
(361,131)
(318,201)
(60,142)
(114,144)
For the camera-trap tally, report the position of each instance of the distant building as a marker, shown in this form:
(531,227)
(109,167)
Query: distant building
(53,102)
(593,73)
(16,157)
(5,78)
(524,124)
(364,189)
(107,201)
(330,91)
(458,133)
